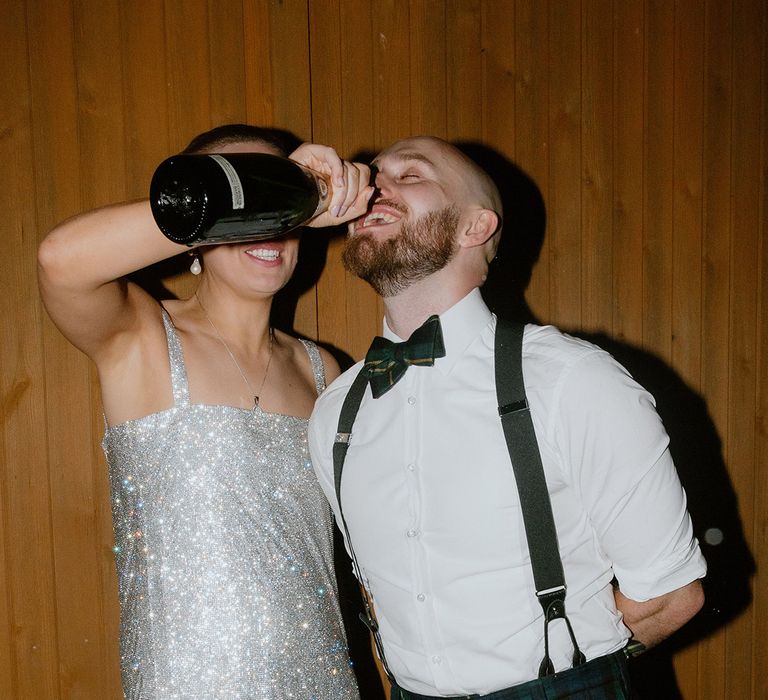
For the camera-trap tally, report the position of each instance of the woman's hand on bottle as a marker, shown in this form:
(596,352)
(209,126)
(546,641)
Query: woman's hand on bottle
(350,183)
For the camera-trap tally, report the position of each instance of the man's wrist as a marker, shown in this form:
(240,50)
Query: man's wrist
(634,648)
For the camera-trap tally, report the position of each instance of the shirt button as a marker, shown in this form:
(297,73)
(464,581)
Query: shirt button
(437,660)
(411,467)
(412,533)
(421,597)
(411,400)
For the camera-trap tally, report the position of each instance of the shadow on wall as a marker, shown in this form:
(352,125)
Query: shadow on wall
(697,451)
(522,237)
(695,444)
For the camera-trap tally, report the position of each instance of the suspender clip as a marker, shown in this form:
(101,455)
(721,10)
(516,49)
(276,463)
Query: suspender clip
(553,602)
(521,405)
(550,591)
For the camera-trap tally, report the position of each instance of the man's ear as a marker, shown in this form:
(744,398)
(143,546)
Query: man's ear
(482,224)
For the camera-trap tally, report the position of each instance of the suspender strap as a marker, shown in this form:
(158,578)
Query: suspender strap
(347,417)
(523,450)
(536,507)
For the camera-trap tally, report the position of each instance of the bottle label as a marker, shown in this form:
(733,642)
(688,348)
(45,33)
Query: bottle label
(238,198)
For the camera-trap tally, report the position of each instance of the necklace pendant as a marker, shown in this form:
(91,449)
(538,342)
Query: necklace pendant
(255,402)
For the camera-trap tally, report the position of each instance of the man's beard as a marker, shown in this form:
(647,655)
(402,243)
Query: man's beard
(419,250)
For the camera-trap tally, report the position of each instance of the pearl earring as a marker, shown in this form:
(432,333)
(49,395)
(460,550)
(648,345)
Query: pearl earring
(196,268)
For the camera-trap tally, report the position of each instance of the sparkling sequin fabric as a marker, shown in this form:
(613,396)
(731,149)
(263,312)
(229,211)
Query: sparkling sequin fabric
(224,554)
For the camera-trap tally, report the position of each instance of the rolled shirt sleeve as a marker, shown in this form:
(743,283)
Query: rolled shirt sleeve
(616,451)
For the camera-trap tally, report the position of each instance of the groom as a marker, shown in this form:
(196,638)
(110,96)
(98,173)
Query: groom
(429,502)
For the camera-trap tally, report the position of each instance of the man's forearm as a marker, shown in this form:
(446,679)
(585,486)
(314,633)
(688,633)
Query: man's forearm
(654,620)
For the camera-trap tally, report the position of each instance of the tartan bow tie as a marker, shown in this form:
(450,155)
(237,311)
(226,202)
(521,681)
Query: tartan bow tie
(386,362)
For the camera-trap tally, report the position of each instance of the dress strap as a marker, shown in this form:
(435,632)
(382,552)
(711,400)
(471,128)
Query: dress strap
(318,369)
(179,382)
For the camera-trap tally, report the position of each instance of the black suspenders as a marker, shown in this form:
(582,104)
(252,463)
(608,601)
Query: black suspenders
(347,417)
(529,475)
(536,507)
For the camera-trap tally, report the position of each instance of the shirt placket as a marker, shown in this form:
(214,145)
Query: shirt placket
(416,480)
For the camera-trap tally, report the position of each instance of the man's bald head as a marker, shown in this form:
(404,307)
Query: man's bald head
(470,184)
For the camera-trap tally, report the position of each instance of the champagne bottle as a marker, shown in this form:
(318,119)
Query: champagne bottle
(234,197)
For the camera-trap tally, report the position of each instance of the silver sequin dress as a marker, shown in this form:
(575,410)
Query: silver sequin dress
(224,554)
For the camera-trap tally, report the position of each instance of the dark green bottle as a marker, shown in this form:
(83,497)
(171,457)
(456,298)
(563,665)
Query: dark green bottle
(234,197)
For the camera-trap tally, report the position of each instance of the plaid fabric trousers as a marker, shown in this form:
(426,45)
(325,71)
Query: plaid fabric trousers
(604,678)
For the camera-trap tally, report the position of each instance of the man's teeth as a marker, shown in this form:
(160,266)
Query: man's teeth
(378,217)
(264,253)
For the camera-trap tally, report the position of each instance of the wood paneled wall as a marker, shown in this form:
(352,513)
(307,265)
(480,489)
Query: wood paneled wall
(642,126)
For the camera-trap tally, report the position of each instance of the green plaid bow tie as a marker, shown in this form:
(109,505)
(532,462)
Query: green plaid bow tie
(386,362)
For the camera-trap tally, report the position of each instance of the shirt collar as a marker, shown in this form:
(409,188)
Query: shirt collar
(461,324)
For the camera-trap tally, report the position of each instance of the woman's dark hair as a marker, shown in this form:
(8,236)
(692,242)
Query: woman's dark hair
(283,141)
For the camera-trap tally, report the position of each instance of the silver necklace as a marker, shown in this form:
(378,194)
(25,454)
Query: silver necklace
(234,359)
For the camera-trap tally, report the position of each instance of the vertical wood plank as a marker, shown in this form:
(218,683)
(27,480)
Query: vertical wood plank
(760,529)
(226,38)
(392,79)
(359,101)
(716,234)
(291,79)
(391,121)
(187,57)
(429,84)
(77,556)
(145,93)
(329,65)
(686,250)
(361,104)
(745,191)
(565,196)
(15,151)
(498,47)
(289,57)
(258,86)
(760,633)
(348,310)
(97,56)
(56,148)
(628,172)
(327,90)
(28,652)
(464,69)
(658,186)
(597,165)
(532,131)
(523,211)
(146,106)
(326,48)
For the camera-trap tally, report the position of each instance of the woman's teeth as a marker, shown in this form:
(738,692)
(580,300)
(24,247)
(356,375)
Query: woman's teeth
(267,254)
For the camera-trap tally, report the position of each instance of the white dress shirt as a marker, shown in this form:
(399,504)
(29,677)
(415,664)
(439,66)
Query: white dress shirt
(434,517)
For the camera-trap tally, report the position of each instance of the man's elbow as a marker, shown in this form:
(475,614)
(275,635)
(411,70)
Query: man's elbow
(694,600)
(680,607)
(656,619)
